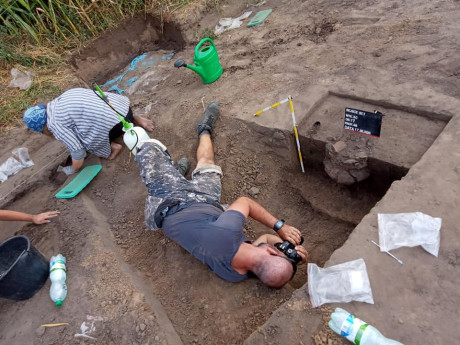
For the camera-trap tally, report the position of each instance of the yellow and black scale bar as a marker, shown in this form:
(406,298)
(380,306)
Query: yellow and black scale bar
(296,134)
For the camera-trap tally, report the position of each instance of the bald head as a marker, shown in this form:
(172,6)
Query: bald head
(273,271)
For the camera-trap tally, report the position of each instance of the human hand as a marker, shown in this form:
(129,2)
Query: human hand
(43,218)
(303,253)
(289,233)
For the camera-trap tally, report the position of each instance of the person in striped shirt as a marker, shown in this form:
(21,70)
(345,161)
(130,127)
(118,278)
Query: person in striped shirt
(83,122)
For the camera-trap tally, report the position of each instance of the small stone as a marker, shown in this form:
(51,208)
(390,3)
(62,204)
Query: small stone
(40,331)
(361,154)
(337,26)
(343,177)
(179,82)
(350,161)
(254,191)
(359,174)
(318,30)
(317,339)
(157,338)
(339,146)
(142,326)
(401,321)
(279,135)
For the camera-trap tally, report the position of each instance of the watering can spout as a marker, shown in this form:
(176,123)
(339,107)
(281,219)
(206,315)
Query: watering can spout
(197,69)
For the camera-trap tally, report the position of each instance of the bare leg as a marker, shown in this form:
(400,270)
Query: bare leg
(144,123)
(205,151)
(116,148)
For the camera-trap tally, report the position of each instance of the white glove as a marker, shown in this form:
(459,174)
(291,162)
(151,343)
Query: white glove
(66,170)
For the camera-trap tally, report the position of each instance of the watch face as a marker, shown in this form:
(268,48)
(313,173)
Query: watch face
(278,225)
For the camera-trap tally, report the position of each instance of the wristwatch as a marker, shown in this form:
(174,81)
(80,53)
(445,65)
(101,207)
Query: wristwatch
(278,225)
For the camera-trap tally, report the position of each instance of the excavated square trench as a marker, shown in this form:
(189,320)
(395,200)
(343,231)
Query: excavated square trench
(262,163)
(257,161)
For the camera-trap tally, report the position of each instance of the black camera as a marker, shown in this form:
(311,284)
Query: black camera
(289,250)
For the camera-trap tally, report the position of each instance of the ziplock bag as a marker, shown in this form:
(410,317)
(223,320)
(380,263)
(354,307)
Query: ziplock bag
(338,284)
(409,230)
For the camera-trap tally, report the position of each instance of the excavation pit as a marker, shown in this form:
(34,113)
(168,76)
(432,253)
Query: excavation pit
(259,162)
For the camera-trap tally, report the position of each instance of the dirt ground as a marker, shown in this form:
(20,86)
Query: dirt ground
(132,286)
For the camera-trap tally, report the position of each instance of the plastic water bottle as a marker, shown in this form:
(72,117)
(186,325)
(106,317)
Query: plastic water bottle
(356,330)
(58,290)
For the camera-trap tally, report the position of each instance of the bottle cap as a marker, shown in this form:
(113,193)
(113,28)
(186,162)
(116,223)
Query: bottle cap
(59,302)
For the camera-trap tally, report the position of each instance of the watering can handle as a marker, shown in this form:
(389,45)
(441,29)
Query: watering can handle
(203,41)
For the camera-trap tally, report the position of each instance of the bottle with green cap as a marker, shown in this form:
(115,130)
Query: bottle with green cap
(58,289)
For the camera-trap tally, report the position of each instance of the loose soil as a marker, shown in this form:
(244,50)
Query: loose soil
(132,286)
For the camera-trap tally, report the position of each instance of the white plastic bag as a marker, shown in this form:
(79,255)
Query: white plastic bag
(226,24)
(338,284)
(23,154)
(409,230)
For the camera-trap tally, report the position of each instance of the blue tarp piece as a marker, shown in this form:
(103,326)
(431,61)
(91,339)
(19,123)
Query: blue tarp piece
(135,64)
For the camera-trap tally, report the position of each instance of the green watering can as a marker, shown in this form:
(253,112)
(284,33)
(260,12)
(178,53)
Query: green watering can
(206,60)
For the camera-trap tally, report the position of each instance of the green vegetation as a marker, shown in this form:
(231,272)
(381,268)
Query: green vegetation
(208,32)
(63,24)
(39,34)
(11,109)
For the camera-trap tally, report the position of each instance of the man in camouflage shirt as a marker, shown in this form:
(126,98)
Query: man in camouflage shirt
(190,214)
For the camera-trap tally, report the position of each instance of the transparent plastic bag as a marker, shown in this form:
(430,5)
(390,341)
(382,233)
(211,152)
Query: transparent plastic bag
(226,24)
(10,167)
(23,154)
(409,230)
(3,177)
(339,284)
(21,79)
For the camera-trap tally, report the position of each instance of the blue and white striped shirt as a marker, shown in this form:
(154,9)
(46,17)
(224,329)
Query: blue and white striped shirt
(82,121)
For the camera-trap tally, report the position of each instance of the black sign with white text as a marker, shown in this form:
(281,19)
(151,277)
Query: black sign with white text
(363,122)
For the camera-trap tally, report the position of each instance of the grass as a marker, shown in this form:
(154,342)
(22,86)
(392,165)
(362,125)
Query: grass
(39,36)
(208,32)
(48,84)
(11,110)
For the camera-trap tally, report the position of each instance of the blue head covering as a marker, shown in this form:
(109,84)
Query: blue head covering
(35,118)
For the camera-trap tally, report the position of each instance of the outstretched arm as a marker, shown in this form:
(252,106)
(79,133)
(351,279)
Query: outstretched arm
(250,208)
(41,218)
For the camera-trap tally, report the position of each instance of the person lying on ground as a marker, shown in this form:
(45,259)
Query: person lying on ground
(41,218)
(83,122)
(190,214)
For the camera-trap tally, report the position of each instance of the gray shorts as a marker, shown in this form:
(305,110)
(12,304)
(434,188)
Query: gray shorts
(164,182)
